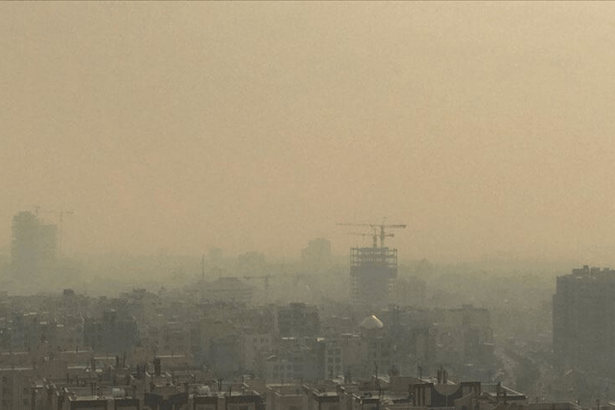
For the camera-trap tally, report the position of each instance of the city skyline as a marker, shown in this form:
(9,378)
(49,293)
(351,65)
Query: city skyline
(307,205)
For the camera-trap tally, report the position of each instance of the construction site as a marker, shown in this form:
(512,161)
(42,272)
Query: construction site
(373,270)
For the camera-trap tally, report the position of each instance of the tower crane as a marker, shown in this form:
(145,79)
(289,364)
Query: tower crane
(381,228)
(374,236)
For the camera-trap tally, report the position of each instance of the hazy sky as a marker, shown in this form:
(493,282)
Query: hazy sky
(487,127)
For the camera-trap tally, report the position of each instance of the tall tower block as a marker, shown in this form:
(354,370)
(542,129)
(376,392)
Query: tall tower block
(34,246)
(373,272)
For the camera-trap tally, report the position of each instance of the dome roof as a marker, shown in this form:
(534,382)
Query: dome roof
(371,322)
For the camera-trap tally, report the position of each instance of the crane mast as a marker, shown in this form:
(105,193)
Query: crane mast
(374,234)
(379,230)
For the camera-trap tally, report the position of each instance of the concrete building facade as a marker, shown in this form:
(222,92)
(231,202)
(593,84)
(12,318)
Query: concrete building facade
(584,319)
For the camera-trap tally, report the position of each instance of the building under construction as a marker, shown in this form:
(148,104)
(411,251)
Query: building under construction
(373,270)
(372,274)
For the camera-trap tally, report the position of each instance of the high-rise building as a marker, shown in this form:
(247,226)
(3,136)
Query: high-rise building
(372,273)
(584,319)
(34,245)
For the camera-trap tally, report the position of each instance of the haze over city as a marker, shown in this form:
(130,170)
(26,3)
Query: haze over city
(178,127)
(307,205)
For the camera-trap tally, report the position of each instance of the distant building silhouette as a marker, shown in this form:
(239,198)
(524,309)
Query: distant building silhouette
(251,262)
(228,289)
(409,291)
(317,252)
(584,319)
(34,245)
(298,319)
